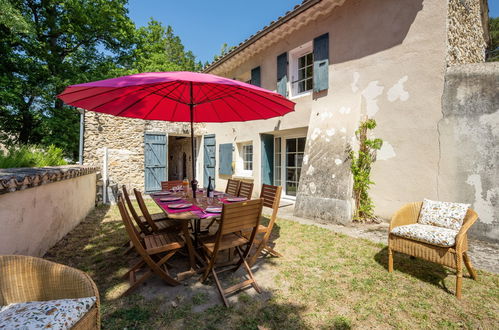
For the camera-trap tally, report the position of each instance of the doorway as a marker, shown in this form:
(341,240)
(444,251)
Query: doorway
(288,159)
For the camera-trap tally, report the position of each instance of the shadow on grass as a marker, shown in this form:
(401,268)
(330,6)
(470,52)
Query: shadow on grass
(95,246)
(423,270)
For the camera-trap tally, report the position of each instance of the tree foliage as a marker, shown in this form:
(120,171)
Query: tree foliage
(360,167)
(47,45)
(157,49)
(493,49)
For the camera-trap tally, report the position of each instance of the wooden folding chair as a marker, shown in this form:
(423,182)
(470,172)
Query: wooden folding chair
(271,196)
(236,218)
(245,189)
(167,185)
(155,250)
(139,220)
(232,187)
(154,224)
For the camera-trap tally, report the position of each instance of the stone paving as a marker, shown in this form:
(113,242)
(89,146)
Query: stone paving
(484,255)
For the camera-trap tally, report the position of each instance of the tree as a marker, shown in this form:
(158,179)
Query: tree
(224,49)
(157,49)
(49,45)
(493,49)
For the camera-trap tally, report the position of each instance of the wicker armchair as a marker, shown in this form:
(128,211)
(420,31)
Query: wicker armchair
(448,256)
(24,278)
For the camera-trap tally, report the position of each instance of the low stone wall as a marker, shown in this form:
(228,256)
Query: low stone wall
(469,143)
(39,206)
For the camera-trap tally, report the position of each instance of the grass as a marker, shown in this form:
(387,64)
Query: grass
(325,281)
(31,156)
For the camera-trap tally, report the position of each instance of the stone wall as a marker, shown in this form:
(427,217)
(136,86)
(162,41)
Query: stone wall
(466,37)
(469,140)
(124,138)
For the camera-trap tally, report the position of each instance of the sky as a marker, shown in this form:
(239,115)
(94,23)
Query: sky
(205,25)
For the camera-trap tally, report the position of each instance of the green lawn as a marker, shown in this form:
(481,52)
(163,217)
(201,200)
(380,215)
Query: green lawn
(326,280)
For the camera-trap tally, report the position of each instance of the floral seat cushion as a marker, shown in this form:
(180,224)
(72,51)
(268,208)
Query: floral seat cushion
(427,234)
(52,314)
(443,214)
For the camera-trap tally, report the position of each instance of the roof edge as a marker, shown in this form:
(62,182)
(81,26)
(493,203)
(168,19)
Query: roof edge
(298,9)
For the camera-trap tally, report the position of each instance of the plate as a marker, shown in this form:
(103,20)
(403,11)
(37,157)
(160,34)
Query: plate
(170,199)
(236,199)
(161,193)
(214,209)
(179,206)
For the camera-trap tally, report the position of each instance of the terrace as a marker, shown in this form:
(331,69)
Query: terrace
(326,280)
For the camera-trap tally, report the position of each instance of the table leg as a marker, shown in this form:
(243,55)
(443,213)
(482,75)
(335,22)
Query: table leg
(190,247)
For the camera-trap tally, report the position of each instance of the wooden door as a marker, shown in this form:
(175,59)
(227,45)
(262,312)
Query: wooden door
(155,160)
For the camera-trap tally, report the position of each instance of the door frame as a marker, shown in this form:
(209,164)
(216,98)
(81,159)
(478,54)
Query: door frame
(166,156)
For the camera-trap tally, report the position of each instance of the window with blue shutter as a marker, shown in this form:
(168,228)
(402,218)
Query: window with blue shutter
(282,74)
(225,158)
(256,76)
(321,63)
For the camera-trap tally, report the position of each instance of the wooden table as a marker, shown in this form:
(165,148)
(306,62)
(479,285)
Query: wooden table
(202,202)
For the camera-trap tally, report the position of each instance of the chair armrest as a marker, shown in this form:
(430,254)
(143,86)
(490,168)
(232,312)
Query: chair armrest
(469,220)
(406,215)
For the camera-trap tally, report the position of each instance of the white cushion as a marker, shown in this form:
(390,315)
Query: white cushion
(52,314)
(443,214)
(427,234)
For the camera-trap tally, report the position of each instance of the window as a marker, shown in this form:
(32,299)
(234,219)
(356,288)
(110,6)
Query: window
(302,69)
(288,159)
(295,149)
(277,161)
(247,153)
(305,73)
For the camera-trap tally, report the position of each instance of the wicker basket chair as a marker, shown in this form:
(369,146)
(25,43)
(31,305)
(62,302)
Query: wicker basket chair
(452,257)
(24,278)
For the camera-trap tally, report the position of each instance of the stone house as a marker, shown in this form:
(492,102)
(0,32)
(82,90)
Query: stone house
(340,61)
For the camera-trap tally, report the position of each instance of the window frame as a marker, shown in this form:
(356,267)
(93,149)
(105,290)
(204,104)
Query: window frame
(294,56)
(241,162)
(245,153)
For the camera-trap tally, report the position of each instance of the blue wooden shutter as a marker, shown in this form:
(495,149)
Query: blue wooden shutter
(321,62)
(225,157)
(256,76)
(155,160)
(282,74)
(267,158)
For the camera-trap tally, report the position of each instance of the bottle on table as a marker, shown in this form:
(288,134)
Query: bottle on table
(209,190)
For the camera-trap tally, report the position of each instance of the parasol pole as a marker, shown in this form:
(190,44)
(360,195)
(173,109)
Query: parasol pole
(194,183)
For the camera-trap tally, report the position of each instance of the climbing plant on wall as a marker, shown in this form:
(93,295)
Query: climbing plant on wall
(361,162)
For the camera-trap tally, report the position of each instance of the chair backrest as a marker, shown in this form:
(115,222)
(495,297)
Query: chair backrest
(129,226)
(245,189)
(271,196)
(135,216)
(232,187)
(144,210)
(167,185)
(134,236)
(238,217)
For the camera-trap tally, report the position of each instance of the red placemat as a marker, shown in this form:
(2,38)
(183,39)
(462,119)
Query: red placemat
(164,206)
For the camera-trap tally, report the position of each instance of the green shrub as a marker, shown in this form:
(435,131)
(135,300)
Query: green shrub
(31,156)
